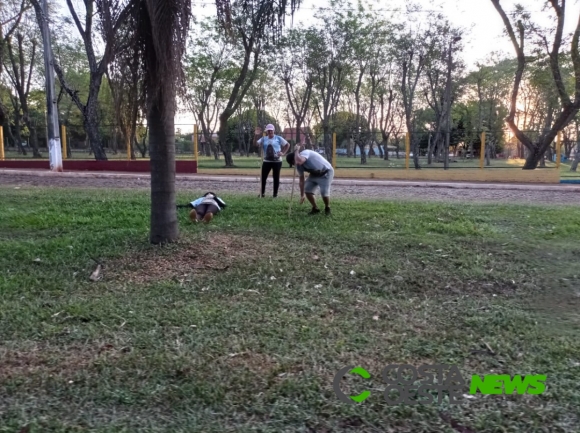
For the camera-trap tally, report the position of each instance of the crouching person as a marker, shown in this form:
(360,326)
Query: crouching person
(320,175)
(205,207)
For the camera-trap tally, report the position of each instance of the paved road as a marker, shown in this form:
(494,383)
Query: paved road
(475,193)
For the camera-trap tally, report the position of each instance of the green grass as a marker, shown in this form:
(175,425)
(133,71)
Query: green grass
(242,324)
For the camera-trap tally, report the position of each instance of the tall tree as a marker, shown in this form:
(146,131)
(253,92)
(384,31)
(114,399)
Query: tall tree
(11,14)
(441,82)
(411,52)
(159,36)
(22,56)
(332,45)
(255,24)
(209,70)
(295,69)
(568,105)
(112,15)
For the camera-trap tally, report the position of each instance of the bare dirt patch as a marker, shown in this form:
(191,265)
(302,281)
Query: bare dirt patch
(406,193)
(251,361)
(188,259)
(41,359)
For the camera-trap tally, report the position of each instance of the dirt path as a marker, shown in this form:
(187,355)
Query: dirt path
(353,191)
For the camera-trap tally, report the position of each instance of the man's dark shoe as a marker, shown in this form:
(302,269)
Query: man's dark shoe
(327,211)
(314,211)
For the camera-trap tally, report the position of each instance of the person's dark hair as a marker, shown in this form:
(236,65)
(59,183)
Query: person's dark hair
(290,159)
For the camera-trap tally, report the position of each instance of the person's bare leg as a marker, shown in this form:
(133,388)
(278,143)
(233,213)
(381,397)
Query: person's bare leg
(194,216)
(326,205)
(312,200)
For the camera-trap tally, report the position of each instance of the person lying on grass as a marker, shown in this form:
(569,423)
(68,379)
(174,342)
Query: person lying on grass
(204,208)
(320,176)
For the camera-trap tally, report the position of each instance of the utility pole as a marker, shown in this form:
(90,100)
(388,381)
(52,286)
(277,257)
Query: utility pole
(448,101)
(54,149)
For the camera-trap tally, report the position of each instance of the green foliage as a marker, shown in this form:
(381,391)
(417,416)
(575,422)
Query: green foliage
(242,128)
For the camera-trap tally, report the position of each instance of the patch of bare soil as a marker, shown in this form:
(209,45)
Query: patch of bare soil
(187,259)
(54,361)
(250,361)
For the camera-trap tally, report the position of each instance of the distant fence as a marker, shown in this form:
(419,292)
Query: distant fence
(369,154)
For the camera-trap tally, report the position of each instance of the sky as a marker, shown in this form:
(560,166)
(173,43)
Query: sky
(482,23)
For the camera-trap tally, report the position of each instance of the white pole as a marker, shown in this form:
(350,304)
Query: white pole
(54,146)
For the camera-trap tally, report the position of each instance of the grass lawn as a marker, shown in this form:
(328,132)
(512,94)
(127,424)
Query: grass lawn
(242,324)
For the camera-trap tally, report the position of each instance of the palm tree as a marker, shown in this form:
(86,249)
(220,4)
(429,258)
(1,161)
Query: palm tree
(159,28)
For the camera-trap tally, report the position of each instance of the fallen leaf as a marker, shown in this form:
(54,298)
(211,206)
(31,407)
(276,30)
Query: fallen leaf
(96,275)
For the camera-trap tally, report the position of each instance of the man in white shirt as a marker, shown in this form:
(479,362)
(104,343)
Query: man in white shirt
(320,176)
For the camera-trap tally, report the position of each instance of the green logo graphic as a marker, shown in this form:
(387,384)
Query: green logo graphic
(341,395)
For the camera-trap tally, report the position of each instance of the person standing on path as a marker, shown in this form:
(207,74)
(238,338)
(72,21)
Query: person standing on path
(275,147)
(320,176)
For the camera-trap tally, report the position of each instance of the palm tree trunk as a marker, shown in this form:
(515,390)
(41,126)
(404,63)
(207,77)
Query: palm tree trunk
(164,227)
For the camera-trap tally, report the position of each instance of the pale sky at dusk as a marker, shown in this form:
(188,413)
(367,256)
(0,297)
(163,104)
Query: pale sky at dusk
(479,18)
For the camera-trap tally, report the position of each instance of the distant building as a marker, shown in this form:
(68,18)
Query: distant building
(290,134)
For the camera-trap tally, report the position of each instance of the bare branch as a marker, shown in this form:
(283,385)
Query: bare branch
(554,54)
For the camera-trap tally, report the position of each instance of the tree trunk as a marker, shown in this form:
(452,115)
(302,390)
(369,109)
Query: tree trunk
(91,124)
(224,144)
(327,141)
(363,155)
(415,150)
(164,226)
(215,149)
(350,149)
(10,136)
(487,152)
(385,143)
(381,151)
(17,133)
(574,165)
(429,156)
(33,139)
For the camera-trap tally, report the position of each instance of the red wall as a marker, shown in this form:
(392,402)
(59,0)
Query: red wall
(181,166)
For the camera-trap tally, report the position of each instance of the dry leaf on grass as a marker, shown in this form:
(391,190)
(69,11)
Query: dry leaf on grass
(96,275)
